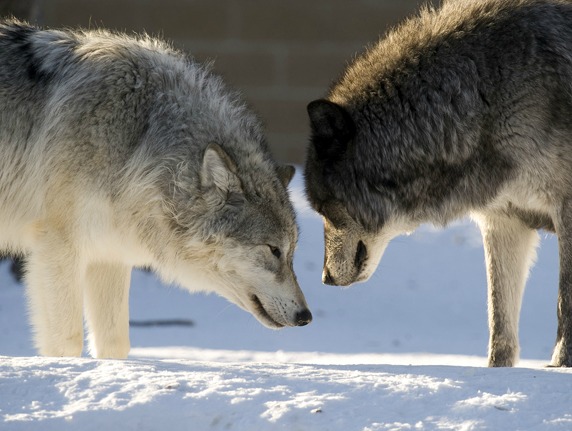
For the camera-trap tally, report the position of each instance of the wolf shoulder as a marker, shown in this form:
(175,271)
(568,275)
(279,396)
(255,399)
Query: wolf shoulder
(87,116)
(85,79)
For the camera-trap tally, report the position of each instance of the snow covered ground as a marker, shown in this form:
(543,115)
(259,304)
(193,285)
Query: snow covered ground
(405,351)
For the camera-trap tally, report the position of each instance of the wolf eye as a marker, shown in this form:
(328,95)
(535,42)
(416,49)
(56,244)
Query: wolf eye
(275,251)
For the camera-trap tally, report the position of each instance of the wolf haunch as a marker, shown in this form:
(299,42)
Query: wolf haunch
(464,110)
(118,152)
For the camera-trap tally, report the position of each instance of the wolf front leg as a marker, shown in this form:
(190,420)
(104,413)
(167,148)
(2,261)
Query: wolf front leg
(55,296)
(510,249)
(107,309)
(562,356)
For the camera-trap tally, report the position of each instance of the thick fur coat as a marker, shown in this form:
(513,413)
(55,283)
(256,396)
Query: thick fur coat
(118,152)
(464,110)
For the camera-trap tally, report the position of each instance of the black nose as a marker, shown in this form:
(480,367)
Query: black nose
(303,317)
(361,255)
(327,278)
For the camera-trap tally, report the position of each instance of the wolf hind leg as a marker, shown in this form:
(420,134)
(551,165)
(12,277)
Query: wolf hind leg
(107,309)
(55,297)
(562,355)
(510,250)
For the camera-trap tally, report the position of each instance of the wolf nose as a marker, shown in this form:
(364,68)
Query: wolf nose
(327,278)
(303,317)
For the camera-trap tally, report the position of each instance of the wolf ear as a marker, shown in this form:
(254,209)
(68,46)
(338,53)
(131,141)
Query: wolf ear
(285,174)
(332,128)
(219,172)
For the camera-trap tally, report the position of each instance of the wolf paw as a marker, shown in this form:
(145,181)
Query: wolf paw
(111,349)
(71,346)
(503,355)
(562,356)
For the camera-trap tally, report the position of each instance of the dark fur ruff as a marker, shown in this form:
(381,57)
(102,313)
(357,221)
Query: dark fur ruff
(434,107)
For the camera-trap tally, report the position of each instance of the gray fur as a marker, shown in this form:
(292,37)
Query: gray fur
(119,152)
(464,110)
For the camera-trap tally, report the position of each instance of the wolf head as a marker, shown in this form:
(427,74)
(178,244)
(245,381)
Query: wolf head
(233,232)
(213,204)
(358,209)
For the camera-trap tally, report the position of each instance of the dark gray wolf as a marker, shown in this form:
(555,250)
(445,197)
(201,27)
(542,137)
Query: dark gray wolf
(118,152)
(464,110)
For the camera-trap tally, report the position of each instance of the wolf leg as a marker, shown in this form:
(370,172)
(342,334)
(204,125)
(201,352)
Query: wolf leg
(107,309)
(562,355)
(510,249)
(55,297)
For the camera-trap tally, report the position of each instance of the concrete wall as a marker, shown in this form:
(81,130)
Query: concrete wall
(281,53)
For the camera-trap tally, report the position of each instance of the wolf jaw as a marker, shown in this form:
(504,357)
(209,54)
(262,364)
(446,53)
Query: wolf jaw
(263,315)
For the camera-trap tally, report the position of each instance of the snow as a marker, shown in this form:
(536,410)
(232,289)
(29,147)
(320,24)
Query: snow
(404,351)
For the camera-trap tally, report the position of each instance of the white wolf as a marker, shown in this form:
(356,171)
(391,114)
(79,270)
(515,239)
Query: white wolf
(119,152)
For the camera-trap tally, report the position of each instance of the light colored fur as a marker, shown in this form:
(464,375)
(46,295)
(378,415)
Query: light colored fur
(119,152)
